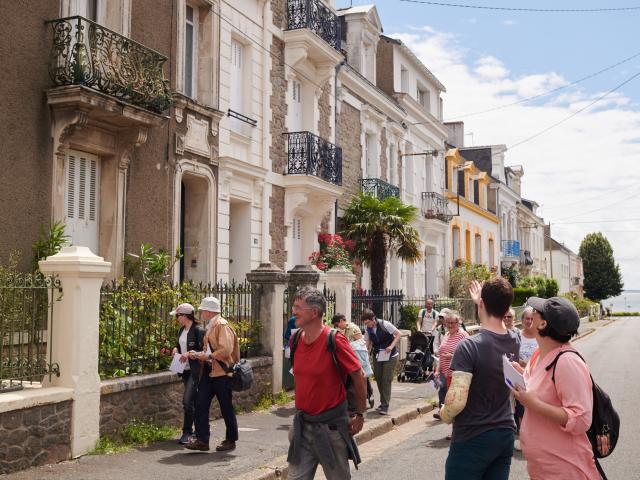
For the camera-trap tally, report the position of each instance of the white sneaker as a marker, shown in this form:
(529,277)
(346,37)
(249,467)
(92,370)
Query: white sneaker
(516,446)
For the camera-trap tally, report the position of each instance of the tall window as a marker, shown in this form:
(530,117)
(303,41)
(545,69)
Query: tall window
(92,10)
(492,259)
(404,80)
(189,51)
(393,168)
(423,97)
(236,102)
(471,189)
(297,106)
(478,249)
(456,243)
(476,192)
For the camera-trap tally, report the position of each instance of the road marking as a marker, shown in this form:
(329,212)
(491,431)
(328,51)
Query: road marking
(248,429)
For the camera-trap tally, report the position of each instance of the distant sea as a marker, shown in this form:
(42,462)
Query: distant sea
(628,301)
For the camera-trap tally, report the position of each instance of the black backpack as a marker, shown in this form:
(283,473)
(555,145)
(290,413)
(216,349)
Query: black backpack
(604,420)
(331,348)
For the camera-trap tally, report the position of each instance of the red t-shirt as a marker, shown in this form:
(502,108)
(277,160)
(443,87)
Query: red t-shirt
(319,386)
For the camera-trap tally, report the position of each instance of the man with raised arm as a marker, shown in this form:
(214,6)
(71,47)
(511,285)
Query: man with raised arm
(478,402)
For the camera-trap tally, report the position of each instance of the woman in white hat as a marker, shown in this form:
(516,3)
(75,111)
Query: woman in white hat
(190,337)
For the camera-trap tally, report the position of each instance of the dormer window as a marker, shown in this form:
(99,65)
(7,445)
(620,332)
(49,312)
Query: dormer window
(423,97)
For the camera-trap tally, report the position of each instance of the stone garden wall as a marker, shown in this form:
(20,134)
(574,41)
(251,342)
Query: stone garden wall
(157,397)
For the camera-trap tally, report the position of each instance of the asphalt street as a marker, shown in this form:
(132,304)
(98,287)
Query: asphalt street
(418,450)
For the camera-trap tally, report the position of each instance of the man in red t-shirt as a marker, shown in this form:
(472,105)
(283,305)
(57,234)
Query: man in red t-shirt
(322,430)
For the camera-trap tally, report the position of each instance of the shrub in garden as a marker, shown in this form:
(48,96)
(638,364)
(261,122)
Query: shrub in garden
(408,316)
(460,278)
(520,295)
(334,251)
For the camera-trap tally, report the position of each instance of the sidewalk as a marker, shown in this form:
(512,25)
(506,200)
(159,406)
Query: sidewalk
(263,439)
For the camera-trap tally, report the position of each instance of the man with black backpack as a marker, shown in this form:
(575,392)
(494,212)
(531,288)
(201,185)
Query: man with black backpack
(322,359)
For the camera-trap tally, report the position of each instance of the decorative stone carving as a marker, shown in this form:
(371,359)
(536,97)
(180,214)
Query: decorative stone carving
(64,125)
(178,114)
(258,188)
(179,144)
(195,140)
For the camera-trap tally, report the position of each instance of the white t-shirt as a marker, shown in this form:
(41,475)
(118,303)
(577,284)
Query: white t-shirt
(428,321)
(527,347)
(389,328)
(183,345)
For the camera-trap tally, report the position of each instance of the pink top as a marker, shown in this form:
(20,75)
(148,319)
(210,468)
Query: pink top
(448,347)
(553,451)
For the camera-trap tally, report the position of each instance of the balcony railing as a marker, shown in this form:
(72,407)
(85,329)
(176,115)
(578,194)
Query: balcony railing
(317,17)
(435,206)
(309,154)
(510,248)
(379,188)
(86,53)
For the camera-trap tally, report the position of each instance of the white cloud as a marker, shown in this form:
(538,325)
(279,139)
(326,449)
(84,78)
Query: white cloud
(590,159)
(509,23)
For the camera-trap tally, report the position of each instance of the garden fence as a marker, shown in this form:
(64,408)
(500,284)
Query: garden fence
(386,305)
(137,333)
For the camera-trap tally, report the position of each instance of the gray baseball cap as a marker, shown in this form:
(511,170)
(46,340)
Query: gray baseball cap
(559,313)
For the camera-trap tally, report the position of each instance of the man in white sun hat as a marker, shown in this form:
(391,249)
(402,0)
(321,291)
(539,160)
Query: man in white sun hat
(221,350)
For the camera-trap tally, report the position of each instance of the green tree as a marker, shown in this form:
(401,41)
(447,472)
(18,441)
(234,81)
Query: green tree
(378,228)
(602,278)
(460,278)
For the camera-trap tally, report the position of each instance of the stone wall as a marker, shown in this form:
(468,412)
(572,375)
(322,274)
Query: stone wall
(35,436)
(279,13)
(384,66)
(157,397)
(277,229)
(324,107)
(278,102)
(348,137)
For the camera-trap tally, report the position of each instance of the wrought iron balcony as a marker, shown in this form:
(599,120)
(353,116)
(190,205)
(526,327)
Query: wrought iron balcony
(510,248)
(435,206)
(317,17)
(309,154)
(86,53)
(379,188)
(526,258)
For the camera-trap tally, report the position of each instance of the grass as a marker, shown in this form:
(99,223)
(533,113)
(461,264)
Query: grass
(625,314)
(268,400)
(134,434)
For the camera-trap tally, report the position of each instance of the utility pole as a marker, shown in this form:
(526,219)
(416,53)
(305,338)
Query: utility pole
(550,252)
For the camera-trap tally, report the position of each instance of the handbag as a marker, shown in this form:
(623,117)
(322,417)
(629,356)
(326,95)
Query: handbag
(240,375)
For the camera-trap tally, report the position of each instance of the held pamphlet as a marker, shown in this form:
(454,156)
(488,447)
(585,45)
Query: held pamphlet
(511,376)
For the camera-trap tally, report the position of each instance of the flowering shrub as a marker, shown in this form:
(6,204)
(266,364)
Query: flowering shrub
(334,250)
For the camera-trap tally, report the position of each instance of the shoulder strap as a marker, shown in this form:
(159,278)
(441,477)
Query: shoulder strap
(555,362)
(424,313)
(331,348)
(294,344)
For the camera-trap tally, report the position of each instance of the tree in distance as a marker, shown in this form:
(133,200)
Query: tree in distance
(602,278)
(379,227)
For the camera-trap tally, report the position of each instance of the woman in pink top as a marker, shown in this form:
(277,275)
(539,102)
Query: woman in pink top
(553,434)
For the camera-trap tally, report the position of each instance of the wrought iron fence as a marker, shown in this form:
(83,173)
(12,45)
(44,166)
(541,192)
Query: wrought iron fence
(464,306)
(435,206)
(386,305)
(86,53)
(309,154)
(379,188)
(26,315)
(137,333)
(317,17)
(289,297)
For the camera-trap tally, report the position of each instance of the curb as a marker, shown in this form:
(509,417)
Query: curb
(588,332)
(278,468)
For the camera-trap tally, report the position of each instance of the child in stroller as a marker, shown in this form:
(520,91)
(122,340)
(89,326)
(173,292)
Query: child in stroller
(418,366)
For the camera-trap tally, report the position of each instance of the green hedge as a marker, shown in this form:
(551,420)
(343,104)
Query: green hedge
(408,317)
(625,314)
(520,295)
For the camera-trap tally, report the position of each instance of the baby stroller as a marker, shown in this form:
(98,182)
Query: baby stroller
(418,365)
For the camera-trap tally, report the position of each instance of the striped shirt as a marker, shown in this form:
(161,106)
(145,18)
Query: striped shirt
(447,347)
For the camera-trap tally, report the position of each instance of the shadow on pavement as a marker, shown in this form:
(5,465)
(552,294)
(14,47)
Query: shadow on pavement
(196,458)
(285,411)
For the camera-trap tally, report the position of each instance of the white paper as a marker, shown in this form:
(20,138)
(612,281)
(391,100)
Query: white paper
(176,365)
(511,376)
(383,356)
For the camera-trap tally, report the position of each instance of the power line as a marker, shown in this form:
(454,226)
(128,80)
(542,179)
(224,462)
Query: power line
(549,92)
(635,194)
(577,112)
(525,9)
(598,221)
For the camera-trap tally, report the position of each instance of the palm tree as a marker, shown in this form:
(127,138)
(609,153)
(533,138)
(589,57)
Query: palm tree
(379,227)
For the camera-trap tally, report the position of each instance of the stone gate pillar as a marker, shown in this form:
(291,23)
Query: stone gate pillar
(75,337)
(273,283)
(341,281)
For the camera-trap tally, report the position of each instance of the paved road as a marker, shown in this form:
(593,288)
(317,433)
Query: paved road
(419,450)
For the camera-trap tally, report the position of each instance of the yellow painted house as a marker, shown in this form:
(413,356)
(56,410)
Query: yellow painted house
(475,225)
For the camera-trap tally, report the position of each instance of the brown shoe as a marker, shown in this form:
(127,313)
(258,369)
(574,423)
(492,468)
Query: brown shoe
(198,445)
(226,446)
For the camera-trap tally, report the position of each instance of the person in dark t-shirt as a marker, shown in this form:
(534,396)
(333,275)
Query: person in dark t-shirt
(478,402)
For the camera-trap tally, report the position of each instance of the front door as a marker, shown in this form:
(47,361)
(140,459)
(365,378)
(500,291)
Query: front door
(82,199)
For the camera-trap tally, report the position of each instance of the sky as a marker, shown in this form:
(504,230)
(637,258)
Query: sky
(584,171)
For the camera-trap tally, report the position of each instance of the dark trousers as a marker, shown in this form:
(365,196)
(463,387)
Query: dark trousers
(518,414)
(369,388)
(442,391)
(484,457)
(188,402)
(207,389)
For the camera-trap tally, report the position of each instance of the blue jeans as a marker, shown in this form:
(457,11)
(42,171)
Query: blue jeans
(188,402)
(484,457)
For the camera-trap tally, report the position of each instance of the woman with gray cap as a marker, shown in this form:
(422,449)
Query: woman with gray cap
(558,399)
(190,337)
